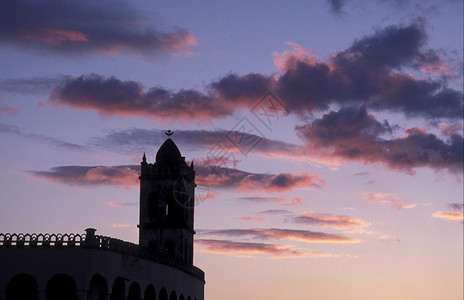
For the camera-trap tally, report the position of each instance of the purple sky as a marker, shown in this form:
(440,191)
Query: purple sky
(327,135)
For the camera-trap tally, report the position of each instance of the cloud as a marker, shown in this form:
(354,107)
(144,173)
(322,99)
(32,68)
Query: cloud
(9,110)
(111,96)
(455,213)
(336,5)
(328,220)
(456,206)
(246,249)
(14,130)
(121,225)
(449,215)
(245,181)
(122,176)
(30,85)
(275,212)
(127,176)
(261,199)
(370,72)
(388,198)
(69,27)
(353,134)
(279,234)
(252,219)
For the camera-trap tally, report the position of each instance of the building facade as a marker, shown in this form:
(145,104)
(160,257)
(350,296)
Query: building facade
(90,266)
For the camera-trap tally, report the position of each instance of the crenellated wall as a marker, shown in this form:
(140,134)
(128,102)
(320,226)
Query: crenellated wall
(90,266)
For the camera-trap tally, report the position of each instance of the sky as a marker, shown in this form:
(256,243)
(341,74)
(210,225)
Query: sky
(327,136)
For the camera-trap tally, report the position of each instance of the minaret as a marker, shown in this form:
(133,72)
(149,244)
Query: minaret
(167,204)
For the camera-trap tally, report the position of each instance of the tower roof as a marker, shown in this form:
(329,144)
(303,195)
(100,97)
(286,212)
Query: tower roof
(168,154)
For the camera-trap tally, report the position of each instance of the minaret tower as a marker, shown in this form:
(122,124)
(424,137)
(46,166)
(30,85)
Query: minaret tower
(167,204)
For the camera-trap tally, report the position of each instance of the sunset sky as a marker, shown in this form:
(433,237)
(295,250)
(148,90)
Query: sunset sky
(327,136)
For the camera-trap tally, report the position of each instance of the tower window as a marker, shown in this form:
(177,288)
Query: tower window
(167,209)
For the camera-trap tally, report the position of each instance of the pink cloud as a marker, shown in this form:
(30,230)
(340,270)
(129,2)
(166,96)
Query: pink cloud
(353,134)
(279,234)
(388,198)
(285,181)
(329,220)
(10,110)
(119,176)
(245,249)
(449,215)
(242,181)
(253,219)
(53,36)
(80,28)
(288,59)
(451,128)
(121,225)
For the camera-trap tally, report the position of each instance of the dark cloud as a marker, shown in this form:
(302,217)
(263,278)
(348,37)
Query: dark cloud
(349,134)
(31,85)
(225,177)
(353,134)
(294,201)
(246,88)
(80,27)
(279,234)
(275,212)
(127,175)
(128,98)
(336,5)
(328,220)
(456,206)
(249,249)
(370,72)
(122,176)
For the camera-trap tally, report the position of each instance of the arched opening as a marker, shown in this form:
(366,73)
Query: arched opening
(22,287)
(173,296)
(118,291)
(61,287)
(150,293)
(163,294)
(98,288)
(188,298)
(181,297)
(134,291)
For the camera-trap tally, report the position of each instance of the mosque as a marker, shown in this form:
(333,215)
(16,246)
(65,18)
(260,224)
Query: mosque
(90,266)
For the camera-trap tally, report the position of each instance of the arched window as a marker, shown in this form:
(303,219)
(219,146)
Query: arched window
(173,296)
(98,288)
(118,291)
(61,287)
(134,291)
(163,294)
(22,287)
(181,297)
(150,293)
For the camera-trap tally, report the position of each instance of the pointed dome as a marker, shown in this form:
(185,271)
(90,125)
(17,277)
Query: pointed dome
(168,154)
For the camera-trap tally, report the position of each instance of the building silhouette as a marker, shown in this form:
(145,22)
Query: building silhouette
(89,266)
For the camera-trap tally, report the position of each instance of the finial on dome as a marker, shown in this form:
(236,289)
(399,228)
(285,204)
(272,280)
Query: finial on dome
(169,132)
